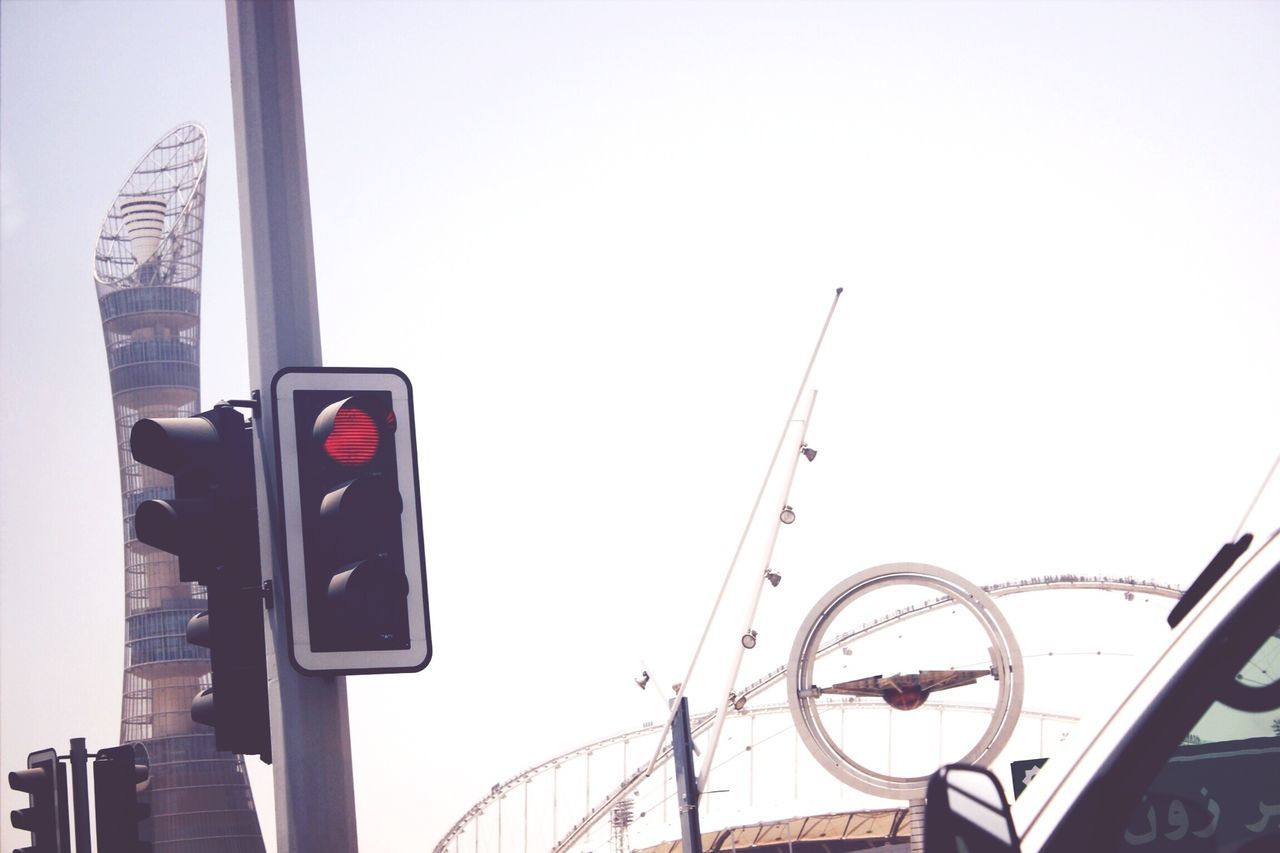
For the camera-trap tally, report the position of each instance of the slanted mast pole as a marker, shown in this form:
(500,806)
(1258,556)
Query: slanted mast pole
(786,428)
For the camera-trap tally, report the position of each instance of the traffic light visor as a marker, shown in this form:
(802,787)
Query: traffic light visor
(33,782)
(170,444)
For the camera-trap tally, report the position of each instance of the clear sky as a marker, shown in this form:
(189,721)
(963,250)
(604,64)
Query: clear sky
(601,238)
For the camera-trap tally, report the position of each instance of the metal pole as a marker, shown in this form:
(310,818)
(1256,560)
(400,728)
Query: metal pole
(747,626)
(746,530)
(310,739)
(80,793)
(687,792)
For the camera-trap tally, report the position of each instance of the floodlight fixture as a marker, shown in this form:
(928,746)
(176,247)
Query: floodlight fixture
(773,577)
(643,681)
(749,639)
(788,515)
(808,452)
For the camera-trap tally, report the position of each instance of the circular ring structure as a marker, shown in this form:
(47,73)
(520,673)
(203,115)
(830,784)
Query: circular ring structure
(1006,661)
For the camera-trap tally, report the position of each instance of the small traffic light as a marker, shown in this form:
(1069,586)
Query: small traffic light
(355,574)
(212,525)
(121,776)
(45,784)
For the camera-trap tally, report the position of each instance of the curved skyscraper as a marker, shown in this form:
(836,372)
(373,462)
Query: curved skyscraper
(147,274)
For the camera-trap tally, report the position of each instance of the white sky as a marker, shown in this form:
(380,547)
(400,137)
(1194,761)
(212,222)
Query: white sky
(601,238)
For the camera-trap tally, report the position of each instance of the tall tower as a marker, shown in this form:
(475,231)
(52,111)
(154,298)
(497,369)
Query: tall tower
(147,273)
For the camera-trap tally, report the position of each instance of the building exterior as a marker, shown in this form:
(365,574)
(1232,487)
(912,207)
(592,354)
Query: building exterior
(147,268)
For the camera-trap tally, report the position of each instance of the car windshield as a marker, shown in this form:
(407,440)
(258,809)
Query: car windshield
(1219,790)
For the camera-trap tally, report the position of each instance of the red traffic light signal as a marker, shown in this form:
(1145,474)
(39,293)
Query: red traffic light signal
(348,433)
(355,578)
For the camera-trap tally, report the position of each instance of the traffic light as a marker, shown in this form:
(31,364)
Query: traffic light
(355,575)
(45,784)
(212,526)
(120,778)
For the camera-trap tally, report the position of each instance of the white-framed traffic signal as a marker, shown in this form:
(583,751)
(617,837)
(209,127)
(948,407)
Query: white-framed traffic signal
(354,580)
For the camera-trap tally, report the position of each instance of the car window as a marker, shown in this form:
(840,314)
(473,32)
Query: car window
(1219,790)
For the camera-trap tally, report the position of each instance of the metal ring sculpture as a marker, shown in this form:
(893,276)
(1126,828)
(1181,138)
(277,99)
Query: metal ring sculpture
(1006,662)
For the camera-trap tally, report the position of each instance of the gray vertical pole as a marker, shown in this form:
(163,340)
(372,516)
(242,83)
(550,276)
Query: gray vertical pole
(310,740)
(686,779)
(80,793)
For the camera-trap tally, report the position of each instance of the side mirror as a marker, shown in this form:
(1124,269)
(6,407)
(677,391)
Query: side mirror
(966,812)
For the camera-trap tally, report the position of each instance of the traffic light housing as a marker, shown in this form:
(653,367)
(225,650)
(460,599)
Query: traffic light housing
(46,818)
(121,776)
(211,524)
(356,588)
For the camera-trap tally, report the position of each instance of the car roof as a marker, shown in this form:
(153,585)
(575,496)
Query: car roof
(1060,782)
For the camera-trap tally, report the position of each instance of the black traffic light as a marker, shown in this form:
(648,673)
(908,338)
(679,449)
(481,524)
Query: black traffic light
(352,521)
(212,526)
(120,778)
(45,784)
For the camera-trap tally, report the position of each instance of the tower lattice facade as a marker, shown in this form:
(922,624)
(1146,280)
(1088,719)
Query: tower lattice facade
(146,271)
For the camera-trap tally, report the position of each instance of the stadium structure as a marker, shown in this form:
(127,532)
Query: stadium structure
(146,271)
(769,795)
